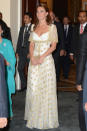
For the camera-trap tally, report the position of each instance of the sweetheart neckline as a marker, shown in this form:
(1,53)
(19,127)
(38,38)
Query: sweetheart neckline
(41,34)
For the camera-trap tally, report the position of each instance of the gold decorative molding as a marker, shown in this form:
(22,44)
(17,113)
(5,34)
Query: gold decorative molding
(74,7)
(49,3)
(84,5)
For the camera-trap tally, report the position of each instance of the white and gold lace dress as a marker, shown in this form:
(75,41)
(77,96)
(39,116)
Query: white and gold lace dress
(41,100)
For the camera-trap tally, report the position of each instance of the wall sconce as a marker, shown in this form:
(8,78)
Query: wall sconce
(84,7)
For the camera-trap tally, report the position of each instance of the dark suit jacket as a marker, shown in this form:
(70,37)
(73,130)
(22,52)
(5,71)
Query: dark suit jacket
(22,51)
(68,38)
(79,48)
(60,44)
(3,90)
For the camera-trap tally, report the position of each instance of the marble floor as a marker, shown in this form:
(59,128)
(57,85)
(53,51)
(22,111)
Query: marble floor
(67,107)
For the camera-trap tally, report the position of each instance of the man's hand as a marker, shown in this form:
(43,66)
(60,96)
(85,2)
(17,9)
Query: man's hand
(79,87)
(3,122)
(16,55)
(72,57)
(62,52)
(86,106)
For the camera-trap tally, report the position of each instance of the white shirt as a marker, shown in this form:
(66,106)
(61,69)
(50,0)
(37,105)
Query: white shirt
(83,25)
(27,26)
(66,27)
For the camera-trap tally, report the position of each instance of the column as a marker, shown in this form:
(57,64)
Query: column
(15,19)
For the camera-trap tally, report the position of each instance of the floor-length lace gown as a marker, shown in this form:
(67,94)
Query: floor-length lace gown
(41,100)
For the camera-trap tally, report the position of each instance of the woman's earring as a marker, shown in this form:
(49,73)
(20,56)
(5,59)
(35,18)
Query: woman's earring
(0,34)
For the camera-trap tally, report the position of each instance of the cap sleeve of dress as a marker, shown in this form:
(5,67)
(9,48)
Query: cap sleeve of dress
(31,34)
(53,34)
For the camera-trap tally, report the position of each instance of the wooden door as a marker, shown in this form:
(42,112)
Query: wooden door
(29,6)
(74,6)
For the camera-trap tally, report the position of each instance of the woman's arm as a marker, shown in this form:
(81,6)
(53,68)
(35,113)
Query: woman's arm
(34,60)
(31,50)
(48,52)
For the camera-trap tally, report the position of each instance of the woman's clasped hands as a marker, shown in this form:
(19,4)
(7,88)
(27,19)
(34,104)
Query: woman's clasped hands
(36,60)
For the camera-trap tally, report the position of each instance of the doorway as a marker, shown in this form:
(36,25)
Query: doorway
(60,8)
(28,6)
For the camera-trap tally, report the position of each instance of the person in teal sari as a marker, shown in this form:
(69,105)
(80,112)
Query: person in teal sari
(7,51)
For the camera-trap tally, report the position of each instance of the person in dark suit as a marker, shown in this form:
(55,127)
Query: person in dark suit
(68,29)
(3,95)
(79,48)
(22,50)
(60,49)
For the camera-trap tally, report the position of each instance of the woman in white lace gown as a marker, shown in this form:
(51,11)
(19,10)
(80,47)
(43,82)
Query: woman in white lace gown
(41,100)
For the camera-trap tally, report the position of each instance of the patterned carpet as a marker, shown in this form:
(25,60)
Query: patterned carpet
(68,84)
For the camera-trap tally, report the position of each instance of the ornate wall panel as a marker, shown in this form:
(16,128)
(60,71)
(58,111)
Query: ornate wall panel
(74,7)
(49,3)
(29,5)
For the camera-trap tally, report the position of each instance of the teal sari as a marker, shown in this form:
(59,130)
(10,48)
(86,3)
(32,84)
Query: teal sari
(7,51)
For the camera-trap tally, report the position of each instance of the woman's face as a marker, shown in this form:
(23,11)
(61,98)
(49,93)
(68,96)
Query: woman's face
(1,31)
(41,13)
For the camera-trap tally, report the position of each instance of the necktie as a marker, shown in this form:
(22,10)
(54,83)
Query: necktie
(65,30)
(81,29)
(26,28)
(25,36)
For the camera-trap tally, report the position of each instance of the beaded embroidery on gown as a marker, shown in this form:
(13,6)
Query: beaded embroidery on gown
(41,99)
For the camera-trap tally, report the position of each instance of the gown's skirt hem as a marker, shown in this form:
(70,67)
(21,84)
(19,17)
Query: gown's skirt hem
(42,127)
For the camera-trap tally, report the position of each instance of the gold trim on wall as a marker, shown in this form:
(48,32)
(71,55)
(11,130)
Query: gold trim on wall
(84,5)
(44,3)
(49,3)
(74,6)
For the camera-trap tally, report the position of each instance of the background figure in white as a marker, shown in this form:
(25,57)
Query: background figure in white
(41,100)
(17,78)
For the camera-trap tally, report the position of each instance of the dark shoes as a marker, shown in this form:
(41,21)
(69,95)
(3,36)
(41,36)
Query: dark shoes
(22,89)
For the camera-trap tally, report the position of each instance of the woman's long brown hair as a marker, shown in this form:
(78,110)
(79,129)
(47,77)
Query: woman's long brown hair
(48,18)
